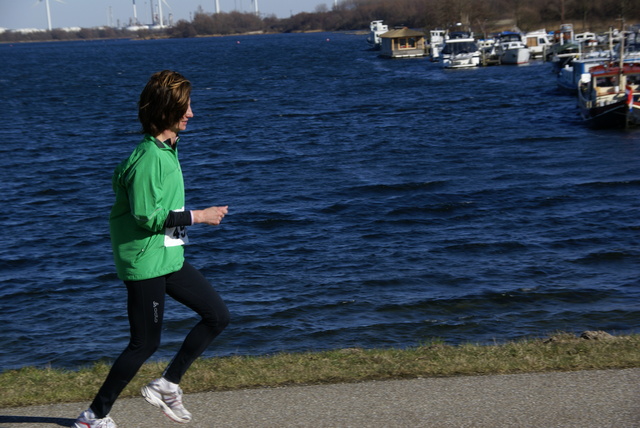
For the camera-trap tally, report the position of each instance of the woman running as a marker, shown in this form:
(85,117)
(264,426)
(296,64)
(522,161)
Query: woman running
(148,230)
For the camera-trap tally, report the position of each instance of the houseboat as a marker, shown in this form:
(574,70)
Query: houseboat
(402,43)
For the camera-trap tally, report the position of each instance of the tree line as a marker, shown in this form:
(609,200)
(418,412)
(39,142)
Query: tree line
(481,16)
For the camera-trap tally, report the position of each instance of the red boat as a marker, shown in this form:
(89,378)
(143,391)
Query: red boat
(609,96)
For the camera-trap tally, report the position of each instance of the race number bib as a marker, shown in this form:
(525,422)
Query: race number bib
(174,236)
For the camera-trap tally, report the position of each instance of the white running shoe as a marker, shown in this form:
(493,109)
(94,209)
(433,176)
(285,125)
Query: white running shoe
(88,420)
(169,401)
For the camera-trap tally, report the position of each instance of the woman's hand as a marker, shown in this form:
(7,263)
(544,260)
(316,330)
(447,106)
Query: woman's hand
(212,215)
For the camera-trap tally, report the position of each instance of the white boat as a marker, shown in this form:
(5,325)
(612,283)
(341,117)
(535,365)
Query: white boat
(436,42)
(568,77)
(488,54)
(460,51)
(587,38)
(538,42)
(609,96)
(376,29)
(511,49)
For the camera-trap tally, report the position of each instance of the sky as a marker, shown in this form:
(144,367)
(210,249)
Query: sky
(16,14)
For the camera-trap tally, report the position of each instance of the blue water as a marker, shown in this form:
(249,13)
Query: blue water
(373,202)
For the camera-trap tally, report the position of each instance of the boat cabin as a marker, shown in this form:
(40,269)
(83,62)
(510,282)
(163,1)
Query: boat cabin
(608,79)
(564,35)
(509,37)
(538,42)
(376,29)
(609,95)
(402,43)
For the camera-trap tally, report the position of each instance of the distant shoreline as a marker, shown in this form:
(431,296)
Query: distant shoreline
(166,37)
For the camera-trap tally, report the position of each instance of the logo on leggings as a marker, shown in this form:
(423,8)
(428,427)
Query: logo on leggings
(155,312)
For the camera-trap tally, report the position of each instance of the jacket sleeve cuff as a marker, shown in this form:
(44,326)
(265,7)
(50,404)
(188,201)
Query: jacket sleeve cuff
(179,218)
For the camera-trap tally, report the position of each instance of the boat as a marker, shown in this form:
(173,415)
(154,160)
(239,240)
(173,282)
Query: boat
(570,67)
(588,38)
(403,43)
(511,49)
(436,42)
(538,43)
(568,77)
(376,28)
(488,53)
(609,95)
(564,35)
(460,51)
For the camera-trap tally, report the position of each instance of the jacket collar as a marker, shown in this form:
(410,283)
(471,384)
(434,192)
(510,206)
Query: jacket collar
(165,144)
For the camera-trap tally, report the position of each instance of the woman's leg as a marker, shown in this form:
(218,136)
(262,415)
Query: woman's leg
(145,306)
(189,287)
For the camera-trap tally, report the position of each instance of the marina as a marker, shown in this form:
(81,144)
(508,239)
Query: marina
(572,58)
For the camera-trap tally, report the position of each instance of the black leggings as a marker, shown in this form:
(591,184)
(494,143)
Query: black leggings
(145,306)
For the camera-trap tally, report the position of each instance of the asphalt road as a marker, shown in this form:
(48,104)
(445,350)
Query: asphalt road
(584,399)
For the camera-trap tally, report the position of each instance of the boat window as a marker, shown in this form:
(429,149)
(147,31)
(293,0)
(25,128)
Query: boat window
(459,47)
(408,43)
(607,81)
(510,38)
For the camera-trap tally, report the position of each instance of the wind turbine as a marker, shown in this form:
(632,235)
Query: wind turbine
(46,2)
(135,13)
(255,4)
(160,10)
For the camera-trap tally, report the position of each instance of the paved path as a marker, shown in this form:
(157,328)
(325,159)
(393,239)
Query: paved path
(584,399)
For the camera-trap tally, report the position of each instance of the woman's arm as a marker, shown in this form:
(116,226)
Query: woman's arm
(212,215)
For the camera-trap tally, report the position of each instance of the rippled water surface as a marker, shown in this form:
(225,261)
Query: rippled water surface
(373,203)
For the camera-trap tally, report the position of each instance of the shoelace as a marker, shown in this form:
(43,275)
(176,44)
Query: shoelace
(174,399)
(106,422)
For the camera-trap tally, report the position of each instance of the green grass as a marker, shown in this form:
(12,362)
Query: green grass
(560,352)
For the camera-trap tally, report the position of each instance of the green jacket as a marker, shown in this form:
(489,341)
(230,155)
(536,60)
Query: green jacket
(147,185)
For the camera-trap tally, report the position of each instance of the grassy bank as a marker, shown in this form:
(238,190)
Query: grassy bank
(561,352)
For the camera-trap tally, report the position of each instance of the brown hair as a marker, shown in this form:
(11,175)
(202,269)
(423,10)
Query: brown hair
(163,102)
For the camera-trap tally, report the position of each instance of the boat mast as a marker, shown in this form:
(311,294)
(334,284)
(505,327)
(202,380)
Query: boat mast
(610,43)
(622,51)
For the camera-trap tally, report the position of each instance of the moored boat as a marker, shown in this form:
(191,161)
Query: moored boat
(403,43)
(569,76)
(511,49)
(460,51)
(538,42)
(376,29)
(609,96)
(436,42)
